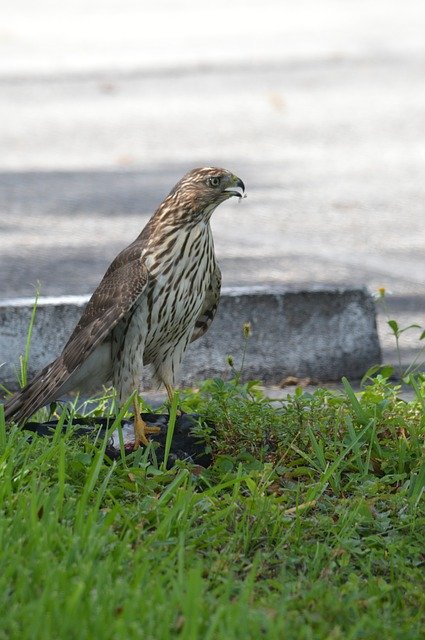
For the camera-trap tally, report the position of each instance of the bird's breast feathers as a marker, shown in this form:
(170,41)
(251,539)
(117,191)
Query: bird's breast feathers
(180,272)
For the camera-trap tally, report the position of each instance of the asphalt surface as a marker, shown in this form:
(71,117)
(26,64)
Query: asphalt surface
(319,108)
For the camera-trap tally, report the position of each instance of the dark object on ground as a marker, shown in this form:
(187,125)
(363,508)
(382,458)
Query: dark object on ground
(185,445)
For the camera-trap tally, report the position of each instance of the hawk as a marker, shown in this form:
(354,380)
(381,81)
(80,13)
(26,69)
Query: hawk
(157,296)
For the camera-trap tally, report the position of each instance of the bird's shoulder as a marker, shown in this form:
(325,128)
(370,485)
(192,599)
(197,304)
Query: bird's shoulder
(133,252)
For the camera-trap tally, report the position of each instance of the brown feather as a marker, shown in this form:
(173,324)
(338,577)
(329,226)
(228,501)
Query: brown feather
(113,298)
(209,308)
(158,294)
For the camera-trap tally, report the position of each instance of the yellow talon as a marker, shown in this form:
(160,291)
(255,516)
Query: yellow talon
(141,429)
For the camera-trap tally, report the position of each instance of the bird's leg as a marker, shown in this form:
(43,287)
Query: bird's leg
(170,393)
(141,429)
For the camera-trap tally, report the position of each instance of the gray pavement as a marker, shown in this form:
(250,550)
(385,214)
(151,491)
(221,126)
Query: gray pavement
(319,107)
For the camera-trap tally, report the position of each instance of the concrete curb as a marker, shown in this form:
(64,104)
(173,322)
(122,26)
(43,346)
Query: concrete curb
(318,333)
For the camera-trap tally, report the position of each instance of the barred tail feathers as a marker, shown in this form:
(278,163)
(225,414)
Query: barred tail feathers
(44,388)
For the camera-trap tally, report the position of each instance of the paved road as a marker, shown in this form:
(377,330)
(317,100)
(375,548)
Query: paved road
(319,108)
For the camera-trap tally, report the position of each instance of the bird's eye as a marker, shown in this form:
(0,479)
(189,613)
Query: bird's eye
(214,182)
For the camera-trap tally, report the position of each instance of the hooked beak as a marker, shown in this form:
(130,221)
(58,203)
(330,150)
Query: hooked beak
(237,188)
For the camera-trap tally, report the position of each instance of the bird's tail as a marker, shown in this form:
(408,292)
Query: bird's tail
(44,388)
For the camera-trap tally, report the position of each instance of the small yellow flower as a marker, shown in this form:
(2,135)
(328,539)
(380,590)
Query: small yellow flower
(247,329)
(381,293)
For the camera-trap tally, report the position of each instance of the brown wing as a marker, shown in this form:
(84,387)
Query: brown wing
(113,298)
(209,307)
(120,288)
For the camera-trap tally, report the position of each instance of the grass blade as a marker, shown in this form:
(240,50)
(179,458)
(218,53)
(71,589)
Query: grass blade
(357,408)
(170,430)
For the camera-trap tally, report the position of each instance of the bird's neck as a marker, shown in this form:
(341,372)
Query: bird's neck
(177,214)
(173,227)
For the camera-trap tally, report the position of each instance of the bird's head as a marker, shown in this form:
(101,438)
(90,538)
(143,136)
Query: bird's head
(200,191)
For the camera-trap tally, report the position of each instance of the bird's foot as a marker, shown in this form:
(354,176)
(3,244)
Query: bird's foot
(141,435)
(141,431)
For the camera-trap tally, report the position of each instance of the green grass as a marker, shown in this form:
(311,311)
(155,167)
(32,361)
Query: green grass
(309,525)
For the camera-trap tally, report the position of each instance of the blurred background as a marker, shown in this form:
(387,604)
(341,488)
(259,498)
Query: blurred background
(318,105)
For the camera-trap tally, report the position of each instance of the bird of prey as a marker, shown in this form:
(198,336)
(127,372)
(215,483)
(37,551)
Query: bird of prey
(157,296)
